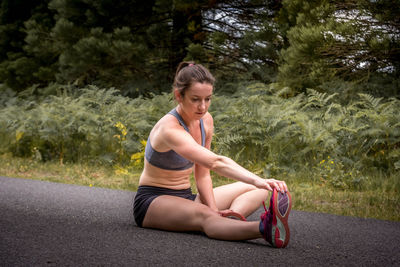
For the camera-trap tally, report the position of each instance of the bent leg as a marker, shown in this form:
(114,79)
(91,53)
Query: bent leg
(178,214)
(240,197)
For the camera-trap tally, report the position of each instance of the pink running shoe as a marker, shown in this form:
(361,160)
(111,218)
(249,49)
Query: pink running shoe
(274,221)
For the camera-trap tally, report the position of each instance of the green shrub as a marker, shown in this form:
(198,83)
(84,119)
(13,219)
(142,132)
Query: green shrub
(80,126)
(339,144)
(273,135)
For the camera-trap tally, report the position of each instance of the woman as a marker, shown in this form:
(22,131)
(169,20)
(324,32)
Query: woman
(179,144)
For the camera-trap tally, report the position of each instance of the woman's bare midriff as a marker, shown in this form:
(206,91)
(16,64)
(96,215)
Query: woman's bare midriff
(154,176)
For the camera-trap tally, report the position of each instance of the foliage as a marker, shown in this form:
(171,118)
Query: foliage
(349,41)
(267,133)
(80,125)
(242,41)
(134,46)
(274,135)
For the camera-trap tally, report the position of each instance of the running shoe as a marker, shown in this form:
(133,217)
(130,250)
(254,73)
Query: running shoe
(274,221)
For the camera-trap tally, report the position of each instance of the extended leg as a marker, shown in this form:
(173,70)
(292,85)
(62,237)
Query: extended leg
(178,214)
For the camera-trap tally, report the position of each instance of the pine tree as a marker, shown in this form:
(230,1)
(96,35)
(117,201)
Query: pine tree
(17,67)
(135,46)
(348,41)
(242,41)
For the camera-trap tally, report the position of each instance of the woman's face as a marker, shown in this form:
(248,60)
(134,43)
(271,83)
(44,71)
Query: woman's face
(196,100)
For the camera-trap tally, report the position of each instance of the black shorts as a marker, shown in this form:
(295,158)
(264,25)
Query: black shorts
(146,194)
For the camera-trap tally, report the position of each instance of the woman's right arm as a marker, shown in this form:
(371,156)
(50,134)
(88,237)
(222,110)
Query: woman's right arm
(227,167)
(183,143)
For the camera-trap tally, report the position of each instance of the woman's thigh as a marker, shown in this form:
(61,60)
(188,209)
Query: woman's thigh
(225,195)
(176,214)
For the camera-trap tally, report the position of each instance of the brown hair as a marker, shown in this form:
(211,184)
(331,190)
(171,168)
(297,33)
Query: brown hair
(188,73)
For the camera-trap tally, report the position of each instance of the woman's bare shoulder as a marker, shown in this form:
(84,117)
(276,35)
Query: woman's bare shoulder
(165,123)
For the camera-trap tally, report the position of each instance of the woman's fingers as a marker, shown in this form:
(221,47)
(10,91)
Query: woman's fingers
(269,188)
(278,185)
(285,186)
(270,184)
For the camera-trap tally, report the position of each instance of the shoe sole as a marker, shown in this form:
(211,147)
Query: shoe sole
(280,226)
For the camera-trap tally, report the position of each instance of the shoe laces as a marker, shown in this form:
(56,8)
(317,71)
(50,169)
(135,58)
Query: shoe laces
(265,219)
(265,214)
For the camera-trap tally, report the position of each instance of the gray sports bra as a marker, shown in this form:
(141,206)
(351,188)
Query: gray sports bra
(170,160)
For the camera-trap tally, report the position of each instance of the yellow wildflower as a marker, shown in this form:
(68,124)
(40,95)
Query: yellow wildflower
(18,135)
(119,125)
(136,156)
(120,170)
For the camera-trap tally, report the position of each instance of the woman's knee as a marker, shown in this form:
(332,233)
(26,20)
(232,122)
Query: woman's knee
(204,214)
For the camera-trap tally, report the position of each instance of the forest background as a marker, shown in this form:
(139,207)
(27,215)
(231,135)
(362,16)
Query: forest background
(307,91)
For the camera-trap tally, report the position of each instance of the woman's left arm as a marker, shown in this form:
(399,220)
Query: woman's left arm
(202,174)
(205,187)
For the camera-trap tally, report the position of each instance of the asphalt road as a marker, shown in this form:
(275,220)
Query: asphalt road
(51,224)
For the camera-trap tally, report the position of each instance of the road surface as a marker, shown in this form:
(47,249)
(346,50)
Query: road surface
(52,224)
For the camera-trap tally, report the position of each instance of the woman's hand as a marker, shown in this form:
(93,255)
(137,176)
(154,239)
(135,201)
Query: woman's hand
(270,184)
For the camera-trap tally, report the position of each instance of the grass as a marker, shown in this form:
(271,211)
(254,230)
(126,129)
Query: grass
(380,202)
(366,204)
(80,174)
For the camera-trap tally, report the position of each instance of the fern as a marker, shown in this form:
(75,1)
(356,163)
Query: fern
(317,99)
(262,131)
